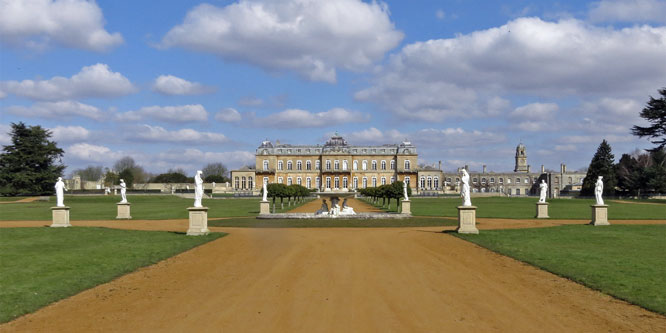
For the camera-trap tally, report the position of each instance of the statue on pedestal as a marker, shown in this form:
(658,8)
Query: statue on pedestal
(265,197)
(198,189)
(404,190)
(599,190)
(543,189)
(60,194)
(464,191)
(123,191)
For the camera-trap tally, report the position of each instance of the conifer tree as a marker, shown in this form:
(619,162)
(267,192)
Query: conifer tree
(602,164)
(31,164)
(655,113)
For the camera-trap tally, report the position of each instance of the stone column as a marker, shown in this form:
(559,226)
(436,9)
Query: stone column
(599,215)
(467,220)
(264,208)
(123,211)
(406,207)
(60,217)
(542,210)
(198,221)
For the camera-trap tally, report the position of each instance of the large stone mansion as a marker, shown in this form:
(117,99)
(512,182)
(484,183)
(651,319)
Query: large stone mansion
(336,164)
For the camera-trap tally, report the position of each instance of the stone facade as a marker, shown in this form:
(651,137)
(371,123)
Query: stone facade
(336,164)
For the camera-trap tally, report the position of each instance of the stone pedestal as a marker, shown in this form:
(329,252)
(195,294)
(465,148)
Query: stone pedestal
(123,211)
(599,215)
(198,221)
(542,210)
(467,220)
(406,207)
(264,208)
(60,217)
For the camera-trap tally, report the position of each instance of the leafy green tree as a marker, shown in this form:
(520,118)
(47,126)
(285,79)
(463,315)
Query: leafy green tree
(656,173)
(654,113)
(111,178)
(277,191)
(172,177)
(139,175)
(32,163)
(127,176)
(602,164)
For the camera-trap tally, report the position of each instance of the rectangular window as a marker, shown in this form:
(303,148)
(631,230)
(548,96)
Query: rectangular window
(344,182)
(279,180)
(328,182)
(308,182)
(337,182)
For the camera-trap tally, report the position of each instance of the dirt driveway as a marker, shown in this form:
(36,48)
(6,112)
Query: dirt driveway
(338,280)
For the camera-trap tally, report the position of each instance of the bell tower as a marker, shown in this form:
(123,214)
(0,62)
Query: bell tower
(521,159)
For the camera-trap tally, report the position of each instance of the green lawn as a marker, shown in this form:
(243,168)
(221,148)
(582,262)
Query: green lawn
(333,223)
(626,261)
(43,265)
(144,207)
(524,208)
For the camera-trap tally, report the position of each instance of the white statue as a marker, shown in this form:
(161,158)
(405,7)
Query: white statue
(265,198)
(346,210)
(599,190)
(60,192)
(464,191)
(324,208)
(543,189)
(404,190)
(198,189)
(123,191)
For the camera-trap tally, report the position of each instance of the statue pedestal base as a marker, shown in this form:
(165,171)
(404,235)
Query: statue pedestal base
(198,221)
(123,211)
(542,210)
(599,215)
(467,220)
(60,217)
(406,207)
(264,207)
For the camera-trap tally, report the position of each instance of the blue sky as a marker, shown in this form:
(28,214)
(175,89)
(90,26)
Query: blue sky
(185,83)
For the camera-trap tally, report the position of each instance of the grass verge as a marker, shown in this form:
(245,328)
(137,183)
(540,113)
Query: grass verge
(625,261)
(43,265)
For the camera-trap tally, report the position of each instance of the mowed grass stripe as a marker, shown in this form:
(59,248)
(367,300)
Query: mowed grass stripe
(626,261)
(43,265)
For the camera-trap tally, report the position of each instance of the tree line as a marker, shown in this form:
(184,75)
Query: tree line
(282,191)
(386,193)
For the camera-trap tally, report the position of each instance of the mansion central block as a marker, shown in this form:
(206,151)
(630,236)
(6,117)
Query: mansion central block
(335,165)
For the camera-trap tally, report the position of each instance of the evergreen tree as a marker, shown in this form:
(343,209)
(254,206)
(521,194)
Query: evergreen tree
(602,164)
(656,172)
(32,163)
(655,113)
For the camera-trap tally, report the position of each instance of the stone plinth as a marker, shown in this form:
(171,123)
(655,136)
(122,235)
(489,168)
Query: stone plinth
(123,211)
(198,221)
(599,215)
(406,207)
(60,217)
(264,208)
(467,220)
(542,210)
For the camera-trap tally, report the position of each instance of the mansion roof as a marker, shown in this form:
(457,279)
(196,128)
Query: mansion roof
(335,145)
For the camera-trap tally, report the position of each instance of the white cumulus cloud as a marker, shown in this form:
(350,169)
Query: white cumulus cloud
(92,153)
(294,35)
(187,135)
(92,81)
(172,85)
(72,23)
(229,115)
(297,118)
(628,11)
(69,133)
(172,114)
(5,137)
(61,109)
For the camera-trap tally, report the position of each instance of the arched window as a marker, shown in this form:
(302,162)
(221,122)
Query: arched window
(317,182)
(344,165)
(501,180)
(344,182)
(392,165)
(308,182)
(299,165)
(492,180)
(383,180)
(355,165)
(289,165)
(355,183)
(317,165)
(475,180)
(365,182)
(250,183)
(383,165)
(364,165)
(236,182)
(483,180)
(374,165)
(423,184)
(407,165)
(265,164)
(328,165)
(289,181)
(279,180)
(328,182)
(374,181)
(392,180)
(517,180)
(429,185)
(299,181)
(279,165)
(336,165)
(435,183)
(308,165)
(336,182)
(243,182)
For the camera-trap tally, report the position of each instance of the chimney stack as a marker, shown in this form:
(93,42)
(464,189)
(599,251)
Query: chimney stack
(484,168)
(440,165)
(563,168)
(543,169)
